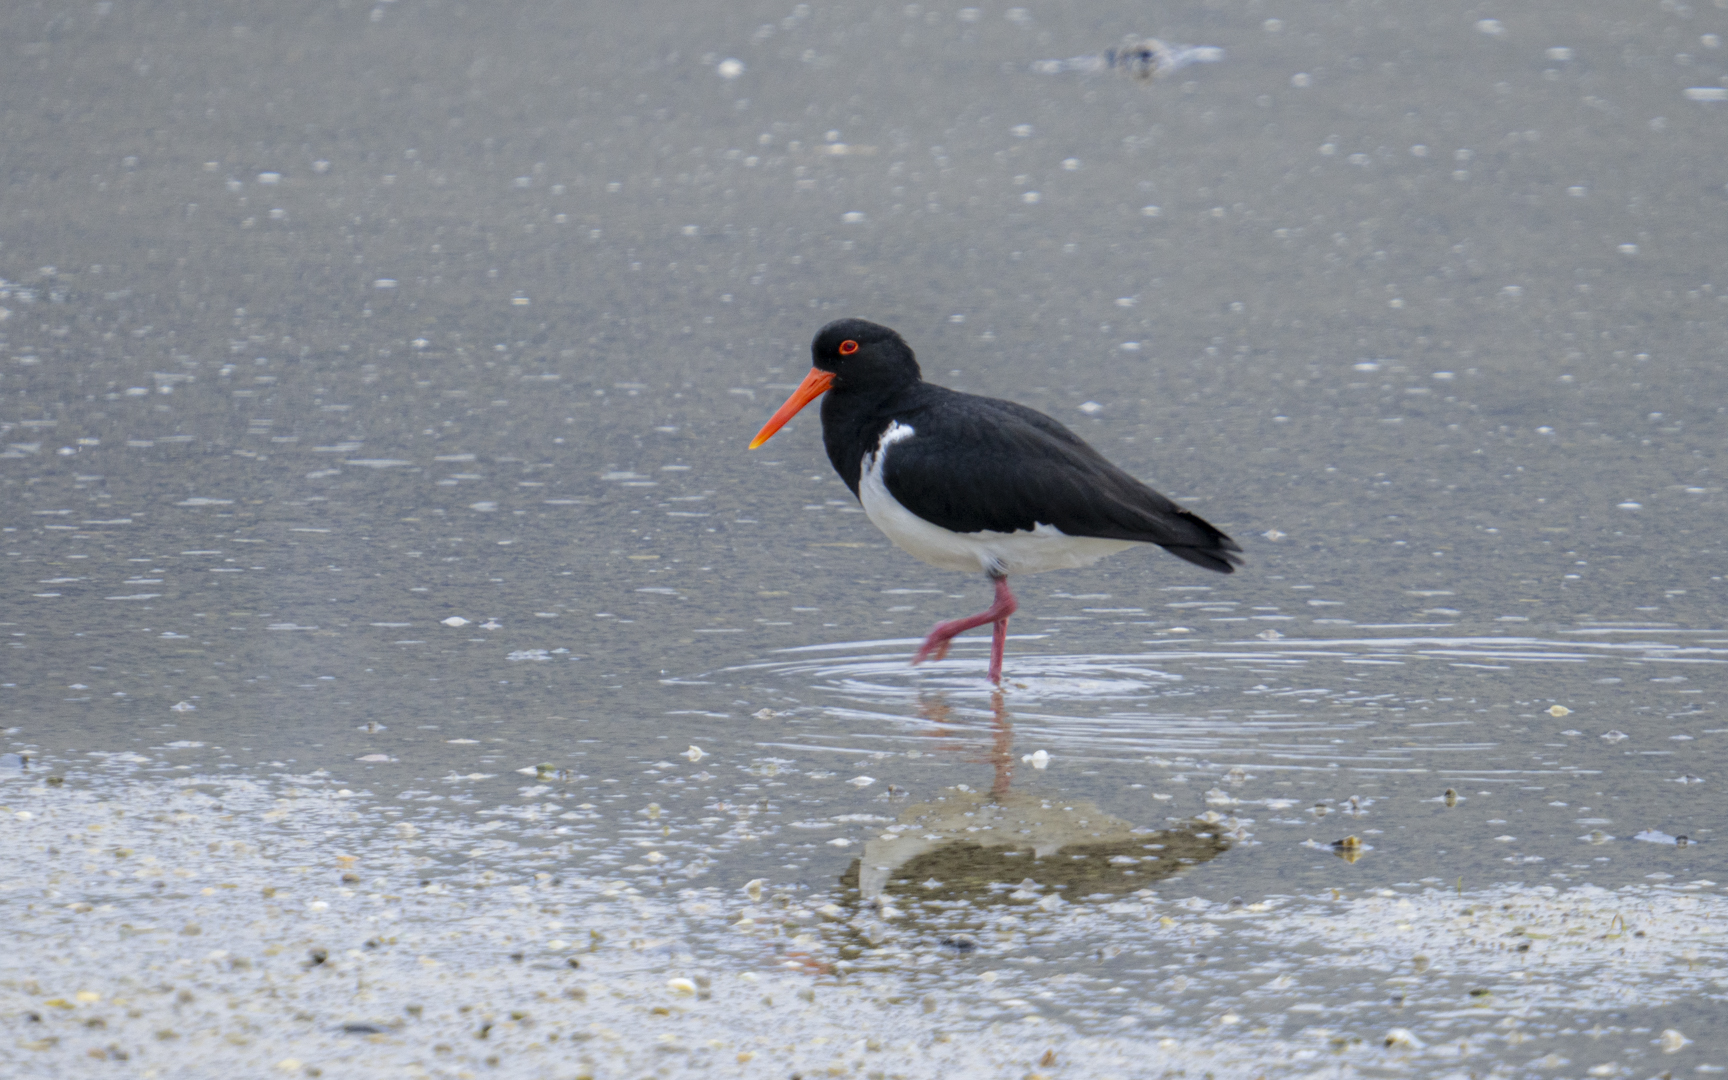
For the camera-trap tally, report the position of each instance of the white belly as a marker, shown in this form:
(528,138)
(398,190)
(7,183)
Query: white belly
(1023,552)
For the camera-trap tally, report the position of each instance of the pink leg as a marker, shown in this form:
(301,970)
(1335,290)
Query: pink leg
(998,642)
(939,639)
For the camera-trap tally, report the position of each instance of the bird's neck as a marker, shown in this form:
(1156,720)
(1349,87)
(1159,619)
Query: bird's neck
(853,420)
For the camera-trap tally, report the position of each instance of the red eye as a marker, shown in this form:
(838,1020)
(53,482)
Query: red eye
(847,348)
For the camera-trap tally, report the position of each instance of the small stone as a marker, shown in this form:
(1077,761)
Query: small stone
(1349,849)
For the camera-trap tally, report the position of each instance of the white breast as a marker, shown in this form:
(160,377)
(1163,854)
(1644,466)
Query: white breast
(1021,552)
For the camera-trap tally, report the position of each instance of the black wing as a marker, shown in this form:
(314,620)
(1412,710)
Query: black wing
(977,463)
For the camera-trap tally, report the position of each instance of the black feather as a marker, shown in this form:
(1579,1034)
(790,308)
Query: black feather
(977,463)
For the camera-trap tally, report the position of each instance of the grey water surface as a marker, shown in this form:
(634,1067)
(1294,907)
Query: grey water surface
(374,390)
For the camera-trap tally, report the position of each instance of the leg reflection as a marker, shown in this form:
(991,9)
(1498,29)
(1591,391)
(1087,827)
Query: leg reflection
(1001,746)
(1000,755)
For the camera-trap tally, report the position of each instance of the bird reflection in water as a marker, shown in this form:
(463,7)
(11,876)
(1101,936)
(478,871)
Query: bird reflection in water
(1008,845)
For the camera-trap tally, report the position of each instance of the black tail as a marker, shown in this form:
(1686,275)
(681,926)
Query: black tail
(1214,551)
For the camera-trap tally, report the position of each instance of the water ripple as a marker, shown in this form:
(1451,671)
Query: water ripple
(1365,703)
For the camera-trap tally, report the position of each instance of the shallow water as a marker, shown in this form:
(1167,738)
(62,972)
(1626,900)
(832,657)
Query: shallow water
(374,388)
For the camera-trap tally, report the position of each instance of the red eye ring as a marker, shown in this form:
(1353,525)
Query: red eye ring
(847,348)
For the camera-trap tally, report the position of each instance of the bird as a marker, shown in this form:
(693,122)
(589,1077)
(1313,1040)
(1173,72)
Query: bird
(973,483)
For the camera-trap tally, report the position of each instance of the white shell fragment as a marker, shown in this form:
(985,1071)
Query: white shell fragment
(1657,836)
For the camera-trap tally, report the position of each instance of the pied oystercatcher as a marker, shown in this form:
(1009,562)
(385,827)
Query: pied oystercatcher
(973,483)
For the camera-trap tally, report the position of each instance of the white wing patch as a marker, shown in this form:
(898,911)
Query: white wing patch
(1025,552)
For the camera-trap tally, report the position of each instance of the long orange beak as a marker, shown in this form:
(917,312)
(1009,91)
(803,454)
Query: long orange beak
(814,386)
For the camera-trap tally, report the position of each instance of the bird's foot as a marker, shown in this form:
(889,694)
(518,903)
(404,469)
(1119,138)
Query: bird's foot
(935,646)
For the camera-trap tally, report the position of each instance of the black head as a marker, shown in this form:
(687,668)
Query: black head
(863,355)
